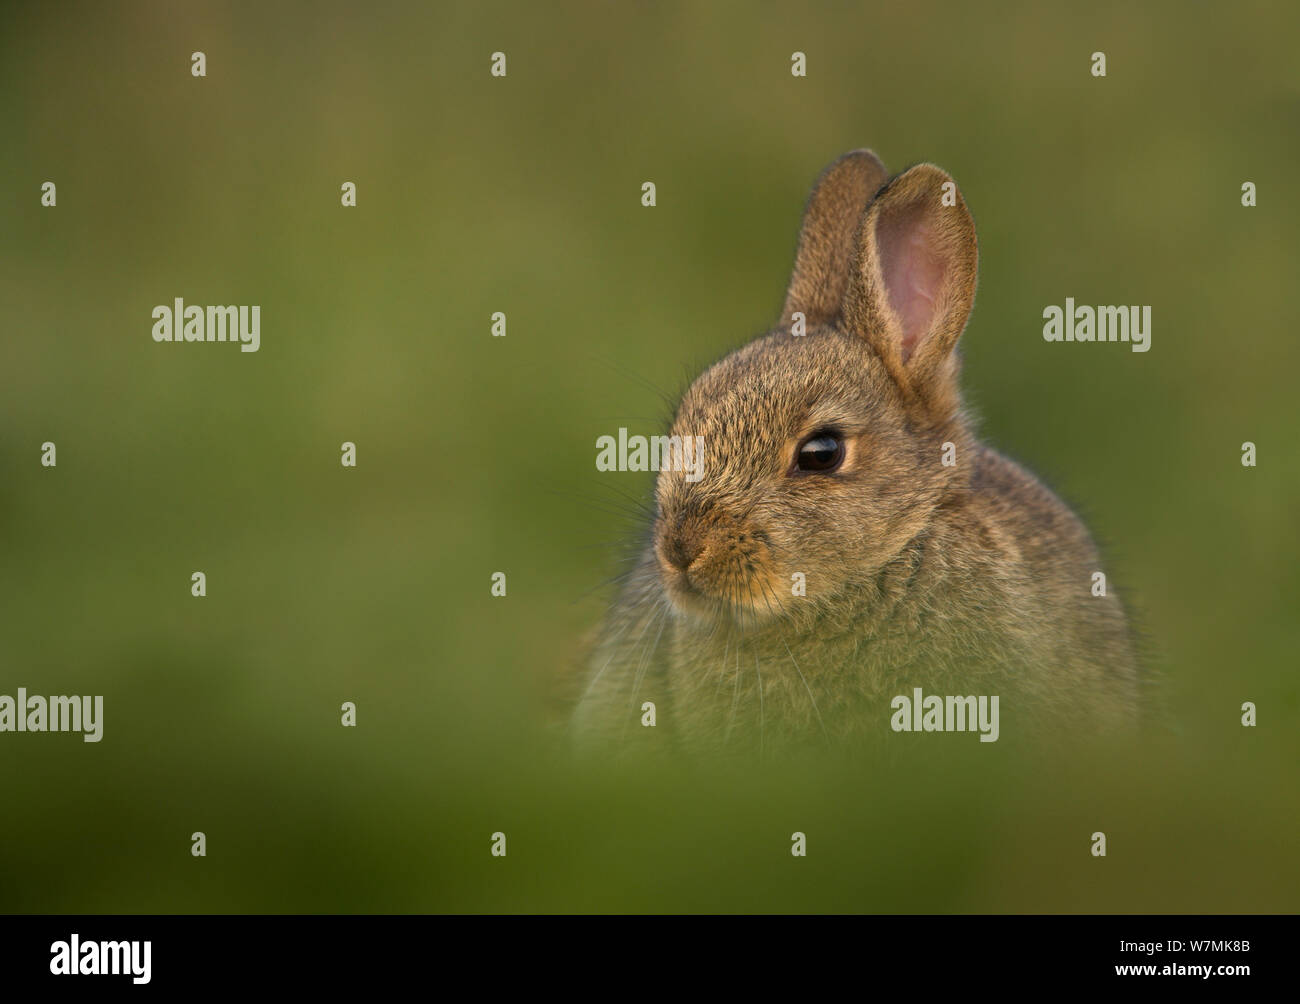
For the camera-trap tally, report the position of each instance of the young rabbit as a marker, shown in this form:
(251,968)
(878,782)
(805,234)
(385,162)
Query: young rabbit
(843,456)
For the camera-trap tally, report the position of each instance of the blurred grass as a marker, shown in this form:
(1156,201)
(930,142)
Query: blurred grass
(475,454)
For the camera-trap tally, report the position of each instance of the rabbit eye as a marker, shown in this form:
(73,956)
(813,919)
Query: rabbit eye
(821,453)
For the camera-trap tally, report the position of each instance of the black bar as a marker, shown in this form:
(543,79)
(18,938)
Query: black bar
(609,955)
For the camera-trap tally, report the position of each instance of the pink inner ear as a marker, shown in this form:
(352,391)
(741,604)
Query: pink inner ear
(913,270)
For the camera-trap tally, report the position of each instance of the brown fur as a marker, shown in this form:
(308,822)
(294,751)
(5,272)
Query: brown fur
(969,579)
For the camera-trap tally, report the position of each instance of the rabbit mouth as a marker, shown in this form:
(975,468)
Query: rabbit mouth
(714,565)
(703,593)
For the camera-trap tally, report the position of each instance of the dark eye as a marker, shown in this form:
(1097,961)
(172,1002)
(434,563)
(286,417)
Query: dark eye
(821,453)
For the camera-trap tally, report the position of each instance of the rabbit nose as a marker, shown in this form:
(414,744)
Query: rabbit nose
(684,540)
(682,548)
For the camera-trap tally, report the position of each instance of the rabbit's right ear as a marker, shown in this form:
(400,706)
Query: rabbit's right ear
(830,225)
(912,284)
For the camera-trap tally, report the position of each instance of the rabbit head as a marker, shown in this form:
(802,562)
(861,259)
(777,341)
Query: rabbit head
(824,450)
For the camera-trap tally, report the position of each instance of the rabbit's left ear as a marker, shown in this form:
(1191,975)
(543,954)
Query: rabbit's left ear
(830,225)
(912,285)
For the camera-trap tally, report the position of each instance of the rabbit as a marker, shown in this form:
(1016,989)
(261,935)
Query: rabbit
(843,457)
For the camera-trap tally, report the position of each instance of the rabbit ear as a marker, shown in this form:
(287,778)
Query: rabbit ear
(830,223)
(913,280)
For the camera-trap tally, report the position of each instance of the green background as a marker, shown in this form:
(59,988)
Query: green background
(476,454)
